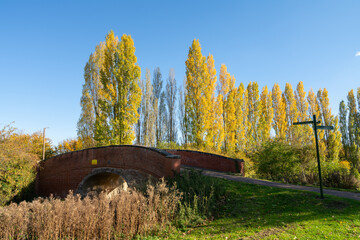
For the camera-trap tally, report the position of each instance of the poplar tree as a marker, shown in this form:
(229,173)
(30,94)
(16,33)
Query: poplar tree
(197,77)
(149,111)
(219,123)
(157,87)
(253,114)
(357,139)
(90,97)
(332,139)
(241,119)
(103,132)
(182,117)
(224,87)
(266,114)
(325,112)
(291,114)
(352,118)
(279,123)
(171,90)
(321,134)
(343,127)
(230,120)
(163,119)
(210,103)
(311,99)
(302,106)
(352,130)
(139,125)
(121,92)
(312,110)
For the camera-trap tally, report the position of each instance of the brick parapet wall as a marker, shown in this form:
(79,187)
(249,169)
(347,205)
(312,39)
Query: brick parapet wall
(64,172)
(209,161)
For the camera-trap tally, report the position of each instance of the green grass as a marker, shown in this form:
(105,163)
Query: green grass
(259,212)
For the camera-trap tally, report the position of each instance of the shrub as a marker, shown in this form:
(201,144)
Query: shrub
(17,164)
(281,162)
(339,175)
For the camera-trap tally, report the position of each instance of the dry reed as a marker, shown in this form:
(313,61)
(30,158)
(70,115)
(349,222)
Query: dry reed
(122,216)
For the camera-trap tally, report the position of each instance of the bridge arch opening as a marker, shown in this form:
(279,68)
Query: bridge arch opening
(103,181)
(112,180)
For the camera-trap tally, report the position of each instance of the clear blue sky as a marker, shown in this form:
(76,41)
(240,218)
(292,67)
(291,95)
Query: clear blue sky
(44,47)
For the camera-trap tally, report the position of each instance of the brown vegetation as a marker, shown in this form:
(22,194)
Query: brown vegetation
(121,216)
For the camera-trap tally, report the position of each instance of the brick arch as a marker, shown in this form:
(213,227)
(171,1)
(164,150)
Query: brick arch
(66,171)
(210,161)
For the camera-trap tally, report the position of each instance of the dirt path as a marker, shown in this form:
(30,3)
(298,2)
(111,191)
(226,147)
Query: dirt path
(343,194)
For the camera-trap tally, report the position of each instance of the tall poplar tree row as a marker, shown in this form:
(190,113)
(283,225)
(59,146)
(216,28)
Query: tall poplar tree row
(118,96)
(350,128)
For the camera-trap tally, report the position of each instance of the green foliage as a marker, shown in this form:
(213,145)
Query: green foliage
(280,161)
(202,195)
(168,145)
(17,164)
(335,174)
(111,94)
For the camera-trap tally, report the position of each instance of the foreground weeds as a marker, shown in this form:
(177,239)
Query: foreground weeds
(122,216)
(202,195)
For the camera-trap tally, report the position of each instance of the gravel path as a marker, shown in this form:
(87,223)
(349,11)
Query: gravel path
(343,194)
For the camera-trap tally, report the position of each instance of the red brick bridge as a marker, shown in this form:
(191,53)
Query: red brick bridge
(111,166)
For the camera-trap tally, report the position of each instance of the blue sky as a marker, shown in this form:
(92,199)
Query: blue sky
(44,46)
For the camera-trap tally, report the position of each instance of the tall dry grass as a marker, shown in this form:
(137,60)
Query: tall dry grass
(121,216)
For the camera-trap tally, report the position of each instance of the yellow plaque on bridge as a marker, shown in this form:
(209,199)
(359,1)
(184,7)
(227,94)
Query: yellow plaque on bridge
(94,162)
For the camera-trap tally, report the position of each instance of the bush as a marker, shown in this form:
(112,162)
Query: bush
(280,161)
(17,165)
(339,175)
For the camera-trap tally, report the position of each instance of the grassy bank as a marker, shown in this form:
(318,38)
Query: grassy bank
(259,212)
(209,208)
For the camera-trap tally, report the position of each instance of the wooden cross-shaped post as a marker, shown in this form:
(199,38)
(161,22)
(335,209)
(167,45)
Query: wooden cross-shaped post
(315,127)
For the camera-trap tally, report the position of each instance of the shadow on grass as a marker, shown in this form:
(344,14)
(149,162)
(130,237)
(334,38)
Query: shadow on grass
(261,207)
